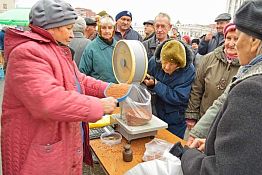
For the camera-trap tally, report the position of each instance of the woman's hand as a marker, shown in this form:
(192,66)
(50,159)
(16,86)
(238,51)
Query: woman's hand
(149,80)
(109,104)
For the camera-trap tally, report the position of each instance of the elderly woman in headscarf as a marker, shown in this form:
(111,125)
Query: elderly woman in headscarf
(96,60)
(171,75)
(214,73)
(233,145)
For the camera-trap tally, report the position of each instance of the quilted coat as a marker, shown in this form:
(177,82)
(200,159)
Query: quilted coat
(42,110)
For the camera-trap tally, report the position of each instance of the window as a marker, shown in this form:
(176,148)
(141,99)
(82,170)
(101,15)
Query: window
(4,6)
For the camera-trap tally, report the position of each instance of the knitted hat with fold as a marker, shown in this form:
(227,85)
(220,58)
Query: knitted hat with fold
(173,51)
(123,13)
(49,14)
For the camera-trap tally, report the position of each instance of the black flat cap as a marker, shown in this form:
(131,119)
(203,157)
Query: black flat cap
(90,22)
(223,17)
(149,22)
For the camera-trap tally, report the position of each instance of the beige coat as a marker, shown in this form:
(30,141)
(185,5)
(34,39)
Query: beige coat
(213,75)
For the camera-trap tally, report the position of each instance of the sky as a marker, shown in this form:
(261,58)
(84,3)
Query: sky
(186,11)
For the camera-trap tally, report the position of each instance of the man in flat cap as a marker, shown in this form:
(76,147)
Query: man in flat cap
(47,101)
(209,42)
(123,27)
(90,31)
(149,29)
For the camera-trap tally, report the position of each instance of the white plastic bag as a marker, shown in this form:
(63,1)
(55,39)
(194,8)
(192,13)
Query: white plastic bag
(168,165)
(155,149)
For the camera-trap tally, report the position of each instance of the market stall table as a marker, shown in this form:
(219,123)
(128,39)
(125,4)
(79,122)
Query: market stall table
(111,159)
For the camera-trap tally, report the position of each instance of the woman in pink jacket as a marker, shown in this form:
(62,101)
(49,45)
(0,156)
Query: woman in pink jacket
(46,99)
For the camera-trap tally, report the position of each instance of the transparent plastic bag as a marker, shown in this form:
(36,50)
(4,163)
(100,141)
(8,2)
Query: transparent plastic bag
(155,149)
(136,108)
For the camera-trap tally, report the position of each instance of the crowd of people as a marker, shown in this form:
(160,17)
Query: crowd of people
(206,89)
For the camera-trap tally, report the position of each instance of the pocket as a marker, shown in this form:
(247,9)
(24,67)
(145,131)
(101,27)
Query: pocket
(45,159)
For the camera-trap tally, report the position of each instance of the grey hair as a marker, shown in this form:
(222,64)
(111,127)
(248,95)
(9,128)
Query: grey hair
(161,14)
(79,25)
(107,20)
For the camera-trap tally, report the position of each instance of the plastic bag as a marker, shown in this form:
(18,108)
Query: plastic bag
(155,149)
(168,165)
(136,108)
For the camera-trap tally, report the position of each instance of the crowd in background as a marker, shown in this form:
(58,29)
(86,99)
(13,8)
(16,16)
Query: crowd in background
(203,88)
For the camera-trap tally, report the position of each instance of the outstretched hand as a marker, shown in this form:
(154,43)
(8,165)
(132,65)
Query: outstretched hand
(109,104)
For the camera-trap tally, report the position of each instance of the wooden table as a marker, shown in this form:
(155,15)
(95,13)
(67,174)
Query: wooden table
(111,159)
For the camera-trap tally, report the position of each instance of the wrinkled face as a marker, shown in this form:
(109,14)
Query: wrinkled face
(162,26)
(247,47)
(230,43)
(168,67)
(63,34)
(107,31)
(90,31)
(148,29)
(220,26)
(124,23)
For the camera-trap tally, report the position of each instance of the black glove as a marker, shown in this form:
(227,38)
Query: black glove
(178,150)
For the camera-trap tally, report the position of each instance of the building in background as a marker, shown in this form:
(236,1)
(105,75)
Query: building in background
(85,12)
(6,5)
(233,5)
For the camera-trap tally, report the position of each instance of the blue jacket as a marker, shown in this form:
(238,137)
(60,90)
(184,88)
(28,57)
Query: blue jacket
(172,92)
(96,60)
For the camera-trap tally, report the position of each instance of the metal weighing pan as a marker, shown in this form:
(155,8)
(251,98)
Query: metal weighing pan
(129,61)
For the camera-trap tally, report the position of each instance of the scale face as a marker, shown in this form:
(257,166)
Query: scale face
(129,61)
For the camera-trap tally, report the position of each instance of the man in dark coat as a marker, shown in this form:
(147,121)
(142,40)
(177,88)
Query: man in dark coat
(209,42)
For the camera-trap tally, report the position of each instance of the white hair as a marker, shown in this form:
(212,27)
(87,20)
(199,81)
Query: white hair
(79,25)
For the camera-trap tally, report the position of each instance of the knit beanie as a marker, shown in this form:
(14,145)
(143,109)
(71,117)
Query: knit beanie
(228,28)
(123,13)
(248,18)
(173,51)
(49,14)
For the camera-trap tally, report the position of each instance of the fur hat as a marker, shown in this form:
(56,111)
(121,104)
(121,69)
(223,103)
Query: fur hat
(123,13)
(102,13)
(173,51)
(49,14)
(247,18)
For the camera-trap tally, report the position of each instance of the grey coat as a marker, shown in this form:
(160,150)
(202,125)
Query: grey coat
(233,145)
(78,44)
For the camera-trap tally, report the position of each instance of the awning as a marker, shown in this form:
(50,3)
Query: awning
(19,17)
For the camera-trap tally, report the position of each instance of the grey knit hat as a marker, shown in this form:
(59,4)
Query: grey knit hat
(49,14)
(248,18)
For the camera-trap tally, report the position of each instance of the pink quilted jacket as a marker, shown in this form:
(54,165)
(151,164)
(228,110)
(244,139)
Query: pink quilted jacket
(42,109)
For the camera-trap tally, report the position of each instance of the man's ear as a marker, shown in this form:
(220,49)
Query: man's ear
(255,44)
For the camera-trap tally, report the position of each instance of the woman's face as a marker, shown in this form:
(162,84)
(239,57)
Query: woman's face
(63,34)
(230,43)
(168,67)
(107,31)
(246,47)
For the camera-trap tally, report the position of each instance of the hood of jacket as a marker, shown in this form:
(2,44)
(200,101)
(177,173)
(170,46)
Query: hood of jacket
(13,38)
(220,55)
(189,53)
